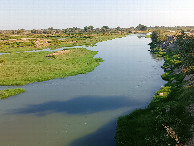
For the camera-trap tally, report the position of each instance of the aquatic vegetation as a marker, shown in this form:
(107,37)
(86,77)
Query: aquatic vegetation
(10,92)
(28,67)
(20,67)
(148,36)
(37,42)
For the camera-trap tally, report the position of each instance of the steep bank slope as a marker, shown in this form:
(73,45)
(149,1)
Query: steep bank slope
(168,119)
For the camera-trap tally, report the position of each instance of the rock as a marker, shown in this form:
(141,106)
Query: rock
(178,70)
(168,69)
(174,81)
(189,77)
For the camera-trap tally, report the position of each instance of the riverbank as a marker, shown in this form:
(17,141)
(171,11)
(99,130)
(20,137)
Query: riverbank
(4,94)
(22,43)
(19,67)
(86,106)
(28,67)
(167,120)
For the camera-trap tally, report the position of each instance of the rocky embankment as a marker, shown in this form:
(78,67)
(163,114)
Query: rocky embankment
(168,120)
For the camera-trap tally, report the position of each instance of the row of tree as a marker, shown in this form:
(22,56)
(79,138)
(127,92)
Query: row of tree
(87,29)
(183,45)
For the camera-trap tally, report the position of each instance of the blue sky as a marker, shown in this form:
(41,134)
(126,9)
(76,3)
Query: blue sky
(29,14)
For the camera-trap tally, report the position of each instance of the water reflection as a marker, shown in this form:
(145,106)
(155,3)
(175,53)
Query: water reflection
(142,35)
(79,105)
(97,138)
(86,106)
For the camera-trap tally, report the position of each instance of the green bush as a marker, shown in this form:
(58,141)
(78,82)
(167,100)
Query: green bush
(2,60)
(146,126)
(166,76)
(162,93)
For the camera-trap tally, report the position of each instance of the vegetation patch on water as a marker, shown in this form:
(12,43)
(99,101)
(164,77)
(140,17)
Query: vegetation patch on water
(10,92)
(148,36)
(39,42)
(28,67)
(19,67)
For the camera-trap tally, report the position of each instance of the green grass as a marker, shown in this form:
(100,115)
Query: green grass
(29,67)
(166,76)
(165,92)
(146,126)
(79,40)
(10,92)
(148,36)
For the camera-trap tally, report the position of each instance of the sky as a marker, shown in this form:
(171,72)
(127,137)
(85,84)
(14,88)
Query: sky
(60,14)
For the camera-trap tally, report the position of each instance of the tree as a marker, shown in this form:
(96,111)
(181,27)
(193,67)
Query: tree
(91,28)
(141,27)
(34,31)
(105,27)
(50,28)
(73,29)
(20,31)
(154,38)
(85,28)
(67,30)
(118,28)
(186,49)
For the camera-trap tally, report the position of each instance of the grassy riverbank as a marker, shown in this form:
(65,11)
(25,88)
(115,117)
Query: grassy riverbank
(29,67)
(147,126)
(38,42)
(10,92)
(167,120)
(19,67)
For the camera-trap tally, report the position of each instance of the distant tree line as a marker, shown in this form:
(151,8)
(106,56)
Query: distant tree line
(91,29)
(141,27)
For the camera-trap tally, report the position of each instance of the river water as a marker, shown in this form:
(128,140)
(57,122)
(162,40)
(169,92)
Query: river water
(82,110)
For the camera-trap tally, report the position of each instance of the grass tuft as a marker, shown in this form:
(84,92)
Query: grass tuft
(4,94)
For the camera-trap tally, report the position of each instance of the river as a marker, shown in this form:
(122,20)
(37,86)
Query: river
(82,110)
